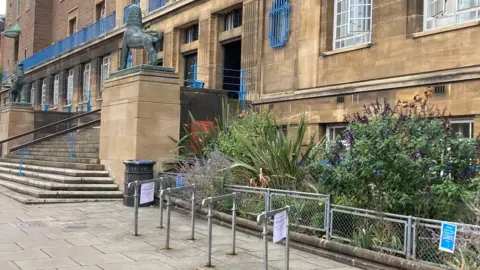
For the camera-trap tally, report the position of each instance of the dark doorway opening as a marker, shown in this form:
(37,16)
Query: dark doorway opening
(232,66)
(190,61)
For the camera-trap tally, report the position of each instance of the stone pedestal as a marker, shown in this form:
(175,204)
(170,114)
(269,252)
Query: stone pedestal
(14,120)
(140,116)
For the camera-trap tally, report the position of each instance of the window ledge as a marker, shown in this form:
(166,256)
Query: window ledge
(445,29)
(188,47)
(347,49)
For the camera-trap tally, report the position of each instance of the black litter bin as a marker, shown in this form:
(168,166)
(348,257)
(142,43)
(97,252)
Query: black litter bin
(136,170)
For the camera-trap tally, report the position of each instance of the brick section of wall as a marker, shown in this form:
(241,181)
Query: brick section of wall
(42,30)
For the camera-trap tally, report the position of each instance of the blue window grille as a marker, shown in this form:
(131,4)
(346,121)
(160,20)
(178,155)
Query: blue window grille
(279,23)
(126,10)
(155,4)
(84,35)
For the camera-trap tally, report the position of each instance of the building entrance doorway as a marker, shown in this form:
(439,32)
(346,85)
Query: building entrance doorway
(232,66)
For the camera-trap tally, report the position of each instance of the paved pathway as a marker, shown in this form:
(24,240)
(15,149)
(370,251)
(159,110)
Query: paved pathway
(94,236)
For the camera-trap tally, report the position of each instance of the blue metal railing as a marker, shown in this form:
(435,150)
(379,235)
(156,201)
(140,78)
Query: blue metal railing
(240,87)
(155,4)
(86,34)
(126,10)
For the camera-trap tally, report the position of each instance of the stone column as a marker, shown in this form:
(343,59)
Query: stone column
(140,116)
(16,119)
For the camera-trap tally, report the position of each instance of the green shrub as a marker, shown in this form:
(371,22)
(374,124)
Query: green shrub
(403,159)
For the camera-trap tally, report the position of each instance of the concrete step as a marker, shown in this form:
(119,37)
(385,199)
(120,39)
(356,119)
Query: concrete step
(34,154)
(57,170)
(56,159)
(65,179)
(65,165)
(47,150)
(27,199)
(42,184)
(56,164)
(65,145)
(41,193)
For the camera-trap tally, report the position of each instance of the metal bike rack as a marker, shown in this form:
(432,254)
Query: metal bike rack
(209,202)
(168,192)
(136,198)
(263,219)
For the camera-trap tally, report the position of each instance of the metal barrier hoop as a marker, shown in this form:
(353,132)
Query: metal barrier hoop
(209,202)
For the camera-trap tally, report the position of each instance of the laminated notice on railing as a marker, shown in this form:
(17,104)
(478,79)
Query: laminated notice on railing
(447,237)
(146,192)
(280,226)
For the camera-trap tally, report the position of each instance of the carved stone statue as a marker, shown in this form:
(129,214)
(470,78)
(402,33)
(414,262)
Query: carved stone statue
(135,37)
(17,83)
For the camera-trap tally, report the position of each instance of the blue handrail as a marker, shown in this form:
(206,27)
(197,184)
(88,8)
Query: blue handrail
(86,34)
(126,10)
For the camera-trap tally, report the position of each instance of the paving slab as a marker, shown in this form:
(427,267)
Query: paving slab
(43,264)
(98,236)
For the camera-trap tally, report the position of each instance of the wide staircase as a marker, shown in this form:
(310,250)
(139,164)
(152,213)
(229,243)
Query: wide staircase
(60,169)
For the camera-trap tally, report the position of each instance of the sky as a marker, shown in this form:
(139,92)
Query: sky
(3,6)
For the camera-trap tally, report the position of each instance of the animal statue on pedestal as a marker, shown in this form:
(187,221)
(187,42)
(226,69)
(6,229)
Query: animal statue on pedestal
(17,83)
(135,37)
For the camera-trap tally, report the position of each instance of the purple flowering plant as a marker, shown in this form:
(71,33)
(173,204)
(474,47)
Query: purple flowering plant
(403,159)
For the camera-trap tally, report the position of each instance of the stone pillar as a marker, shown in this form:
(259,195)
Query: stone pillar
(140,116)
(16,119)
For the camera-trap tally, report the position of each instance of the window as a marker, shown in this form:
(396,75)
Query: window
(44,95)
(129,59)
(439,90)
(32,94)
(190,61)
(25,54)
(56,86)
(279,23)
(191,33)
(335,132)
(464,127)
(69,96)
(15,49)
(233,19)
(19,3)
(105,71)
(441,13)
(100,11)
(9,14)
(86,83)
(353,23)
(72,26)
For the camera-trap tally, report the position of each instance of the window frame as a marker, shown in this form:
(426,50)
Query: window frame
(44,100)
(334,126)
(471,123)
(70,81)
(427,16)
(56,89)
(355,34)
(32,94)
(87,69)
(191,33)
(233,19)
(103,76)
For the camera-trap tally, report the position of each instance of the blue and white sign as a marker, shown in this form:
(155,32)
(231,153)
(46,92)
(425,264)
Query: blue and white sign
(179,182)
(447,237)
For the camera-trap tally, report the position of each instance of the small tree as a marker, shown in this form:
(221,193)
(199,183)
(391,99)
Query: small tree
(403,159)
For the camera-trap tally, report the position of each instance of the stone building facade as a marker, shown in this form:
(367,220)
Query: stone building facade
(323,58)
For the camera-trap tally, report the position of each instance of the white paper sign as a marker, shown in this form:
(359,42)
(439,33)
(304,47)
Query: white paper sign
(280,226)
(146,192)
